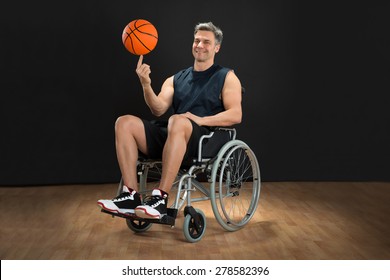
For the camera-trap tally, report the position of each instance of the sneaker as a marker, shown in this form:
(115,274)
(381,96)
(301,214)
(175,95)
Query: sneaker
(124,203)
(155,207)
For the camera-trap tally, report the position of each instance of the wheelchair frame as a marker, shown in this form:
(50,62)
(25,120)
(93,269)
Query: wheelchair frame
(234,191)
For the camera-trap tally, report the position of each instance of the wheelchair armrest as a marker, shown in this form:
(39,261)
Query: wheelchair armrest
(200,146)
(232,131)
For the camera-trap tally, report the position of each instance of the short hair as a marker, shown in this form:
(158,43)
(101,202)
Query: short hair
(209,26)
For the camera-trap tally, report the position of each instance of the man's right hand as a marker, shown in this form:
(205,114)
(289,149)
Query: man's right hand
(143,71)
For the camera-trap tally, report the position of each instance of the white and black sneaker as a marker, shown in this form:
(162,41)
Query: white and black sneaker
(155,206)
(124,203)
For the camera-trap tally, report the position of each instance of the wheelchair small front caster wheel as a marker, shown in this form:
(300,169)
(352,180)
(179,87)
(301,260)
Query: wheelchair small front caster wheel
(138,225)
(194,226)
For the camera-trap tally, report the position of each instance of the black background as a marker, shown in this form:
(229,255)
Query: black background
(316,75)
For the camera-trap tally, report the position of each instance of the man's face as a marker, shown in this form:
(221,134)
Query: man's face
(204,47)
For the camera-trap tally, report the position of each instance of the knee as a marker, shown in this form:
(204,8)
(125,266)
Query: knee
(125,123)
(178,124)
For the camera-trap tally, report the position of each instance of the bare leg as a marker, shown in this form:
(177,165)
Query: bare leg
(129,137)
(179,133)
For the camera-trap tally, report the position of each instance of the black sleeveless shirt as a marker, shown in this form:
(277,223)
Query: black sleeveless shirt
(199,92)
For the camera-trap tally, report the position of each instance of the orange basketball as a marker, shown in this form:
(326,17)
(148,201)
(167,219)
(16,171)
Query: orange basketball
(140,37)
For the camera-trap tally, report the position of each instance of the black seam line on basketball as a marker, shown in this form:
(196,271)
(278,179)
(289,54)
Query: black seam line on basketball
(131,40)
(143,32)
(140,42)
(136,28)
(128,37)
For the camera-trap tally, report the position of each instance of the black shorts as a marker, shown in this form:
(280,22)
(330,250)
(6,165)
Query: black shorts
(156,134)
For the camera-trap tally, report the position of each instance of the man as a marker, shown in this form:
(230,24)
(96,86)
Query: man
(202,96)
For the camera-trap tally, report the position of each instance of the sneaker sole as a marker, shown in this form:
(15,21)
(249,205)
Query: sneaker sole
(143,213)
(118,211)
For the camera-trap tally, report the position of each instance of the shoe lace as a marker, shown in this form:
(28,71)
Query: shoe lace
(122,195)
(152,200)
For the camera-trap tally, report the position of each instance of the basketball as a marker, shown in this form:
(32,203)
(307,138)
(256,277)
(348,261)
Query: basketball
(140,37)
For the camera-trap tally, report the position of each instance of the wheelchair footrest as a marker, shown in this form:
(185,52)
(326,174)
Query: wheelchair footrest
(168,219)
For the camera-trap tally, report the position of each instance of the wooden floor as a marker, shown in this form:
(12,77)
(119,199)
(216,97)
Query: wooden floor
(295,220)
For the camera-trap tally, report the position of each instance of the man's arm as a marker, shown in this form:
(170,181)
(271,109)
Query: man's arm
(231,97)
(160,103)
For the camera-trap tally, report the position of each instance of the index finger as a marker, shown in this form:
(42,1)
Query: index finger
(141,57)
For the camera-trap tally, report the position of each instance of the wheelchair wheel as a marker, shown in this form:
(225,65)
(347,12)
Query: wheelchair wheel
(192,232)
(138,225)
(235,185)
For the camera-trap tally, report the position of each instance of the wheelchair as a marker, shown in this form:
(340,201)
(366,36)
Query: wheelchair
(232,172)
